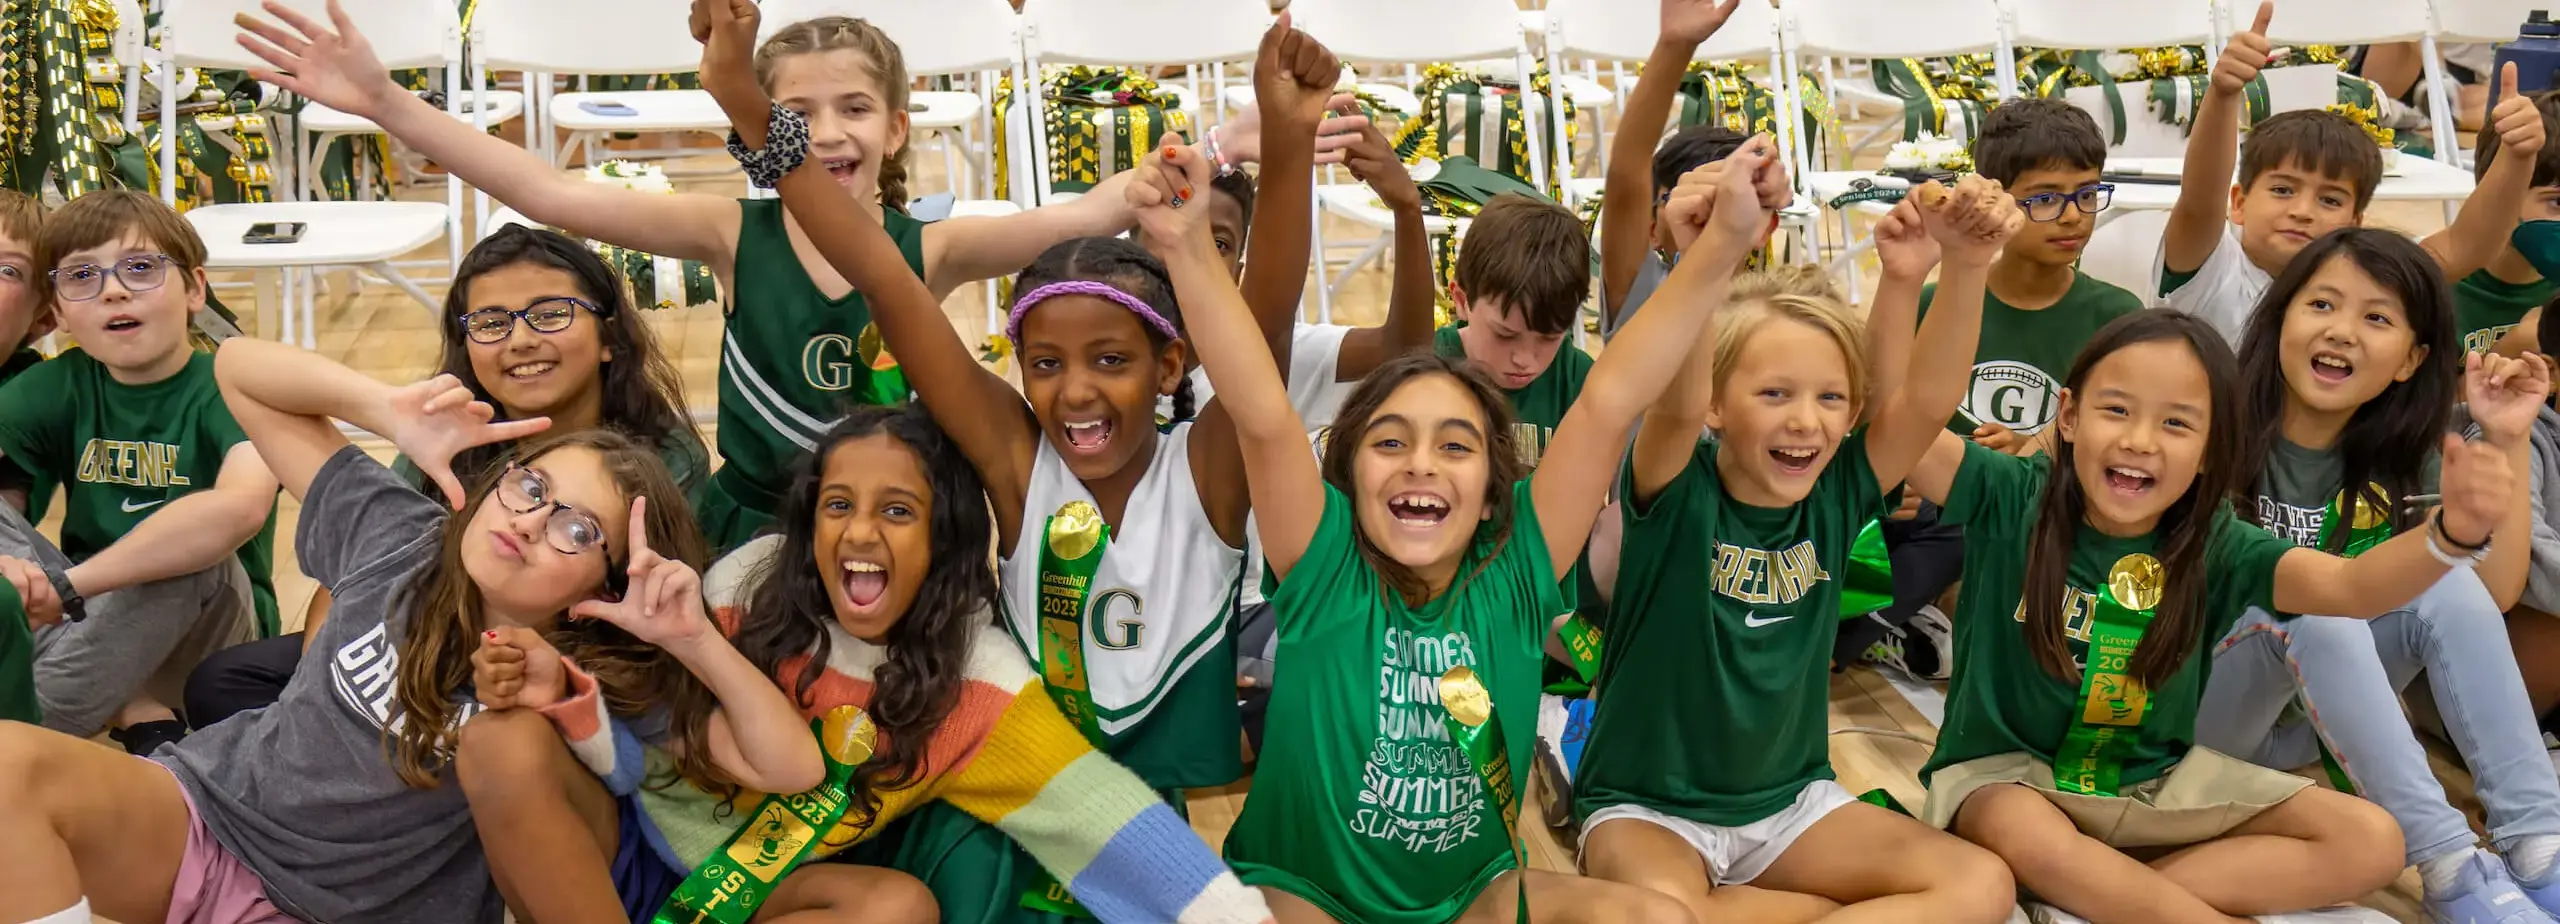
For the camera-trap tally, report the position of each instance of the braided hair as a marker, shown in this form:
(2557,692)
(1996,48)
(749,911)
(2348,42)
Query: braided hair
(1125,266)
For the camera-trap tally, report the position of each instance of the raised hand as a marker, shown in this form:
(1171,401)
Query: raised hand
(1690,22)
(36,596)
(1293,76)
(434,420)
(2478,486)
(331,65)
(662,602)
(1163,189)
(516,667)
(1374,162)
(1971,221)
(1903,243)
(2517,122)
(1691,202)
(1240,138)
(2505,394)
(727,31)
(2246,54)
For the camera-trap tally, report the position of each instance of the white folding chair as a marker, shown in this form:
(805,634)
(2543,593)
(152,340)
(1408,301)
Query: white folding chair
(1620,31)
(364,236)
(2072,25)
(1410,32)
(596,38)
(1117,33)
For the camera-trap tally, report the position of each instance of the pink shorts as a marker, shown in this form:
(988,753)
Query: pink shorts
(213,887)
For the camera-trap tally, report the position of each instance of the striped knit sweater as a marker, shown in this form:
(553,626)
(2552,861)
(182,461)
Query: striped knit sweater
(1004,755)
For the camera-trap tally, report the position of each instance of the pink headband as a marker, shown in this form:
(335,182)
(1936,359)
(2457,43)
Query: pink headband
(1021,306)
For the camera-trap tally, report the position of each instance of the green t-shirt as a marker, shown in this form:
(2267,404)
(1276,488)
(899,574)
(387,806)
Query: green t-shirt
(1363,805)
(2485,307)
(2295,491)
(1543,401)
(2000,701)
(1714,676)
(2024,355)
(121,451)
(39,489)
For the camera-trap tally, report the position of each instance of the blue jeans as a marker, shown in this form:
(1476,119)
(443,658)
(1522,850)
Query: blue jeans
(2349,673)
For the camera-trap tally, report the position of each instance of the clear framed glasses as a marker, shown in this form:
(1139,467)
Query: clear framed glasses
(545,316)
(141,273)
(2090,200)
(572,531)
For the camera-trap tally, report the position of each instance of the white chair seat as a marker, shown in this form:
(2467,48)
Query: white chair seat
(927,109)
(1358,203)
(338,232)
(1579,90)
(1397,99)
(654,111)
(504,106)
(1533,22)
(503,217)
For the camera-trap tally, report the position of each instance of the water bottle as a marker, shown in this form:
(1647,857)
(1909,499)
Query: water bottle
(2536,53)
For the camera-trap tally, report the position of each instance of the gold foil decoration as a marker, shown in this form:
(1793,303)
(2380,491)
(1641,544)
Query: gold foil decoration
(2137,580)
(1464,696)
(2369,516)
(847,733)
(1075,530)
(875,349)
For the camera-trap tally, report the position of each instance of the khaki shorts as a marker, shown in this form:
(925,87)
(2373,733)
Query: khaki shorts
(2202,797)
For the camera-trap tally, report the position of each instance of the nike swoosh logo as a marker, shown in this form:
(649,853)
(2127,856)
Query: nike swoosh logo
(1754,621)
(131,507)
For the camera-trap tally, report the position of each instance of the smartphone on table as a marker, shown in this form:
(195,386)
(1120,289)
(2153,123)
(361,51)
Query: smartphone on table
(606,107)
(274,232)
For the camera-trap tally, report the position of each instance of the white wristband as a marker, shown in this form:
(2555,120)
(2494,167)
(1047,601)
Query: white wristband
(2450,560)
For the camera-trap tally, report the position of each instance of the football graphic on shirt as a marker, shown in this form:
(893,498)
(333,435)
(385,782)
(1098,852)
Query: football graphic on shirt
(2012,394)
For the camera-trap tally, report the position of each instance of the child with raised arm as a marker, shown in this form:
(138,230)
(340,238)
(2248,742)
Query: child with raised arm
(2097,581)
(790,359)
(1415,582)
(1121,536)
(2302,175)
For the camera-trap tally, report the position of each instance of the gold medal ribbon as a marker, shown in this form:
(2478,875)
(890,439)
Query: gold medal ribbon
(728,887)
(1472,726)
(2112,703)
(1073,543)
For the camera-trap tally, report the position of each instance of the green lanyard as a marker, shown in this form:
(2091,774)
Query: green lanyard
(1074,542)
(2112,703)
(1472,725)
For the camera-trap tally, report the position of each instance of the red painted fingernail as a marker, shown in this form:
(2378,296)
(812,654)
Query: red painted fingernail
(1184,194)
(491,634)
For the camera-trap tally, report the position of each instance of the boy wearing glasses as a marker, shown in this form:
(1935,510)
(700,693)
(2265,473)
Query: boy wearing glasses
(169,514)
(2303,174)
(2037,311)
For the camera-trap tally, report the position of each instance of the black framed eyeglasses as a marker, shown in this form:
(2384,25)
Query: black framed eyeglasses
(545,315)
(572,531)
(141,273)
(2090,200)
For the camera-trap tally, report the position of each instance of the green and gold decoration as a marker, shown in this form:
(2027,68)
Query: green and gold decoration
(1867,585)
(1467,114)
(1073,542)
(1478,733)
(1582,645)
(1099,121)
(779,835)
(1940,96)
(2112,702)
(48,112)
(659,283)
(1723,93)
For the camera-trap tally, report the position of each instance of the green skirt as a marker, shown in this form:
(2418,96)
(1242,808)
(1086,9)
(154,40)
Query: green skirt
(976,873)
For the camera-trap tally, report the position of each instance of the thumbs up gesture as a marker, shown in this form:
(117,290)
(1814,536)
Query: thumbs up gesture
(2246,55)
(2516,120)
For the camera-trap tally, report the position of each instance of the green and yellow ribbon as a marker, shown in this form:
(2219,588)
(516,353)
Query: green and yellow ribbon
(1472,725)
(2112,702)
(783,831)
(1075,539)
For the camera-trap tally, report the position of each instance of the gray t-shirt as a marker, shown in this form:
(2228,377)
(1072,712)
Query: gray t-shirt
(303,791)
(1649,276)
(2299,484)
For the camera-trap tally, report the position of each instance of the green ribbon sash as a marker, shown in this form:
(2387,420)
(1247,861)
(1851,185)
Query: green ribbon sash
(783,831)
(2112,703)
(1069,557)
(1884,800)
(1472,725)
(1867,585)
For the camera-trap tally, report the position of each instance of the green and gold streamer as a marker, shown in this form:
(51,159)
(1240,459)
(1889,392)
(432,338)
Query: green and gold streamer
(2112,702)
(1099,121)
(1475,728)
(784,829)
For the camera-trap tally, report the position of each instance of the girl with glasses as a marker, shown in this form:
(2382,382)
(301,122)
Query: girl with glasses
(534,325)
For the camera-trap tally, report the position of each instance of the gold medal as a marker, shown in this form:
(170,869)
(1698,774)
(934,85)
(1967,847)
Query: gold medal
(1075,530)
(2369,516)
(2136,581)
(875,351)
(1464,696)
(847,733)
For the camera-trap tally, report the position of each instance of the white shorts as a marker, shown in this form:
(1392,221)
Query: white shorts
(1736,856)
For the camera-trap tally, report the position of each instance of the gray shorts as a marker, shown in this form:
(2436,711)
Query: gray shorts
(143,639)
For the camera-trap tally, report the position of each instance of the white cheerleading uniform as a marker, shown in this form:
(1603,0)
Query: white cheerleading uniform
(1158,657)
